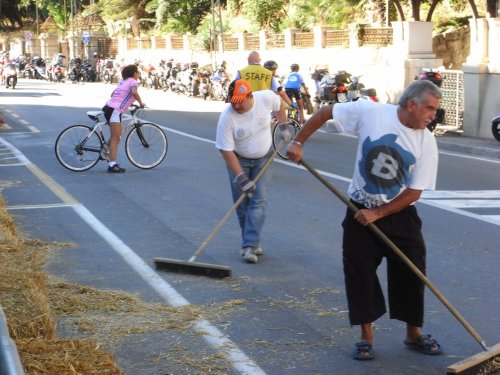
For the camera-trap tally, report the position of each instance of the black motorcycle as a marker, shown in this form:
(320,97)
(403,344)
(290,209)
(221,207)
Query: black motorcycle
(437,79)
(495,128)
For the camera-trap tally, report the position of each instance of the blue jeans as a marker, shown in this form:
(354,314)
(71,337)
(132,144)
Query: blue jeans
(252,211)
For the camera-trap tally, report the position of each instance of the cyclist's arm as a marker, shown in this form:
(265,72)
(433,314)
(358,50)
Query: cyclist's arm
(137,97)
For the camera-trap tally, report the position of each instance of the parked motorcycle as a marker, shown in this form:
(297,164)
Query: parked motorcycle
(333,89)
(205,85)
(220,82)
(436,78)
(55,73)
(9,73)
(194,78)
(109,72)
(357,91)
(39,68)
(495,128)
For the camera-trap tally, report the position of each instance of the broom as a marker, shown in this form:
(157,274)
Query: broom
(207,269)
(479,363)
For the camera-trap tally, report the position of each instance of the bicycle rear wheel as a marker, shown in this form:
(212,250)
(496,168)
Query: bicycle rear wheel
(74,151)
(146,145)
(294,127)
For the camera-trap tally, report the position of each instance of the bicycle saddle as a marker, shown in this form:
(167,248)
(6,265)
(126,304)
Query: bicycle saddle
(94,115)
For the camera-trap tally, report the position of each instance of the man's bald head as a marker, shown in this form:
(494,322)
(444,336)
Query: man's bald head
(254,58)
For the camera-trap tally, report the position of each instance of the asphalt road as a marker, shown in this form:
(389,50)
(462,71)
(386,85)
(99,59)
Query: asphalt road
(285,315)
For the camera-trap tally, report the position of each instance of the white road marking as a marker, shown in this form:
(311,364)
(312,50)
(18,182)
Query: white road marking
(33,129)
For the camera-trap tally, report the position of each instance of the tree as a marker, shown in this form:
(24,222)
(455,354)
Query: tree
(266,14)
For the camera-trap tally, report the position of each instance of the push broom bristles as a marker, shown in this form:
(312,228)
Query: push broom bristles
(484,363)
(193,268)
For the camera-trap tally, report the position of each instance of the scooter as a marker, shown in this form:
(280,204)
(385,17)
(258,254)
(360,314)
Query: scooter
(495,128)
(10,76)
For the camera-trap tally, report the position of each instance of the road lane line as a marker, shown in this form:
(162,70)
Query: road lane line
(211,334)
(33,129)
(34,206)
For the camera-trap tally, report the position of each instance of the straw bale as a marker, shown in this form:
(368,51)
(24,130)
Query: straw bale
(8,233)
(49,357)
(24,301)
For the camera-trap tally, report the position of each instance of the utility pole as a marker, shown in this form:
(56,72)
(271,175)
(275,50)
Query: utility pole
(217,42)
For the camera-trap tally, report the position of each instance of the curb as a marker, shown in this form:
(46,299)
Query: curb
(471,146)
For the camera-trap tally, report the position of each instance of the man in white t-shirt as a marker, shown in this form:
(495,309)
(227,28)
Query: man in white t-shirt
(396,160)
(245,141)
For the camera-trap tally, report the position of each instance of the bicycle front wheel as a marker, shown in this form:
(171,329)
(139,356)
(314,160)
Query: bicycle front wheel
(146,145)
(294,128)
(78,149)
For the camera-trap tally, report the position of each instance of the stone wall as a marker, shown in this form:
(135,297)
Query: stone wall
(453,47)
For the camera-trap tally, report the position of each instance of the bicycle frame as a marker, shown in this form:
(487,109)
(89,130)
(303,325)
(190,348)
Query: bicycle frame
(97,129)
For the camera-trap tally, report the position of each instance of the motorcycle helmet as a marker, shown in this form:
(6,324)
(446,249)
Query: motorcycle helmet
(271,65)
(294,67)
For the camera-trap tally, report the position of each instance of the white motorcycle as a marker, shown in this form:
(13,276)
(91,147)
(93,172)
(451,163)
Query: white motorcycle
(10,76)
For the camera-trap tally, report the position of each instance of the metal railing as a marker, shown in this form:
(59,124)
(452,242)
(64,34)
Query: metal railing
(10,363)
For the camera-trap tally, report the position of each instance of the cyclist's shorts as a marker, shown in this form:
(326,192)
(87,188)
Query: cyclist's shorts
(111,114)
(293,93)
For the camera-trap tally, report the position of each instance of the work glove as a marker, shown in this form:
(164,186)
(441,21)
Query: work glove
(285,134)
(244,184)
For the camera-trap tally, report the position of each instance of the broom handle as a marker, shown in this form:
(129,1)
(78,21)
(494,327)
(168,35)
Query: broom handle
(398,252)
(234,206)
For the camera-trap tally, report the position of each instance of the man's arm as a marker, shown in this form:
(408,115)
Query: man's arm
(232,162)
(294,150)
(403,200)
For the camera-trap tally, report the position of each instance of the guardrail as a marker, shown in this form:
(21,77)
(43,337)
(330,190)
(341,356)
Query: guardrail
(10,363)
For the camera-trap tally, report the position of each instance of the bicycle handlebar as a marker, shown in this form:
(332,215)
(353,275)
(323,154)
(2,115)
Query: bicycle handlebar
(135,108)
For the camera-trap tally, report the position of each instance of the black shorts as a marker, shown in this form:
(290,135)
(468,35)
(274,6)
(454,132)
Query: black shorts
(108,111)
(294,93)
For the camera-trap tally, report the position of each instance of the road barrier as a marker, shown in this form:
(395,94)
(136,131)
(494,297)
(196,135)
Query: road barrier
(10,363)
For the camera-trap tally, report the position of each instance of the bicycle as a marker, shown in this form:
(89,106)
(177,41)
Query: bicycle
(294,127)
(80,147)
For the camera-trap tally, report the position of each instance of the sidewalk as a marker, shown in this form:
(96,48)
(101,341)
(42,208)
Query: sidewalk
(455,142)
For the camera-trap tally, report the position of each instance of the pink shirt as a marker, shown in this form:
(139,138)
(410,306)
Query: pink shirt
(122,97)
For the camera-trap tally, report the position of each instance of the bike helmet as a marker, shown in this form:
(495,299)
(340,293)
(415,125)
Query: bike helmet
(271,65)
(294,67)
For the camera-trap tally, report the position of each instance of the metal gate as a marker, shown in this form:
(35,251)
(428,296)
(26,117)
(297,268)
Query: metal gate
(452,89)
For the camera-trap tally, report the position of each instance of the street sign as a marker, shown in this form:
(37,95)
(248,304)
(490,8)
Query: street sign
(86,36)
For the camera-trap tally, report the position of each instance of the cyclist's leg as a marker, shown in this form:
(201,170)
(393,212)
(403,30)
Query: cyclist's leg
(115,128)
(300,103)
(116,132)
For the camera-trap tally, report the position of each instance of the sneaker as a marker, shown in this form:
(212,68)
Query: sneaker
(105,152)
(249,255)
(116,169)
(258,250)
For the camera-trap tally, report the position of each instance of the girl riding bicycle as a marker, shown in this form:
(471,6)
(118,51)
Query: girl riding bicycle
(122,97)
